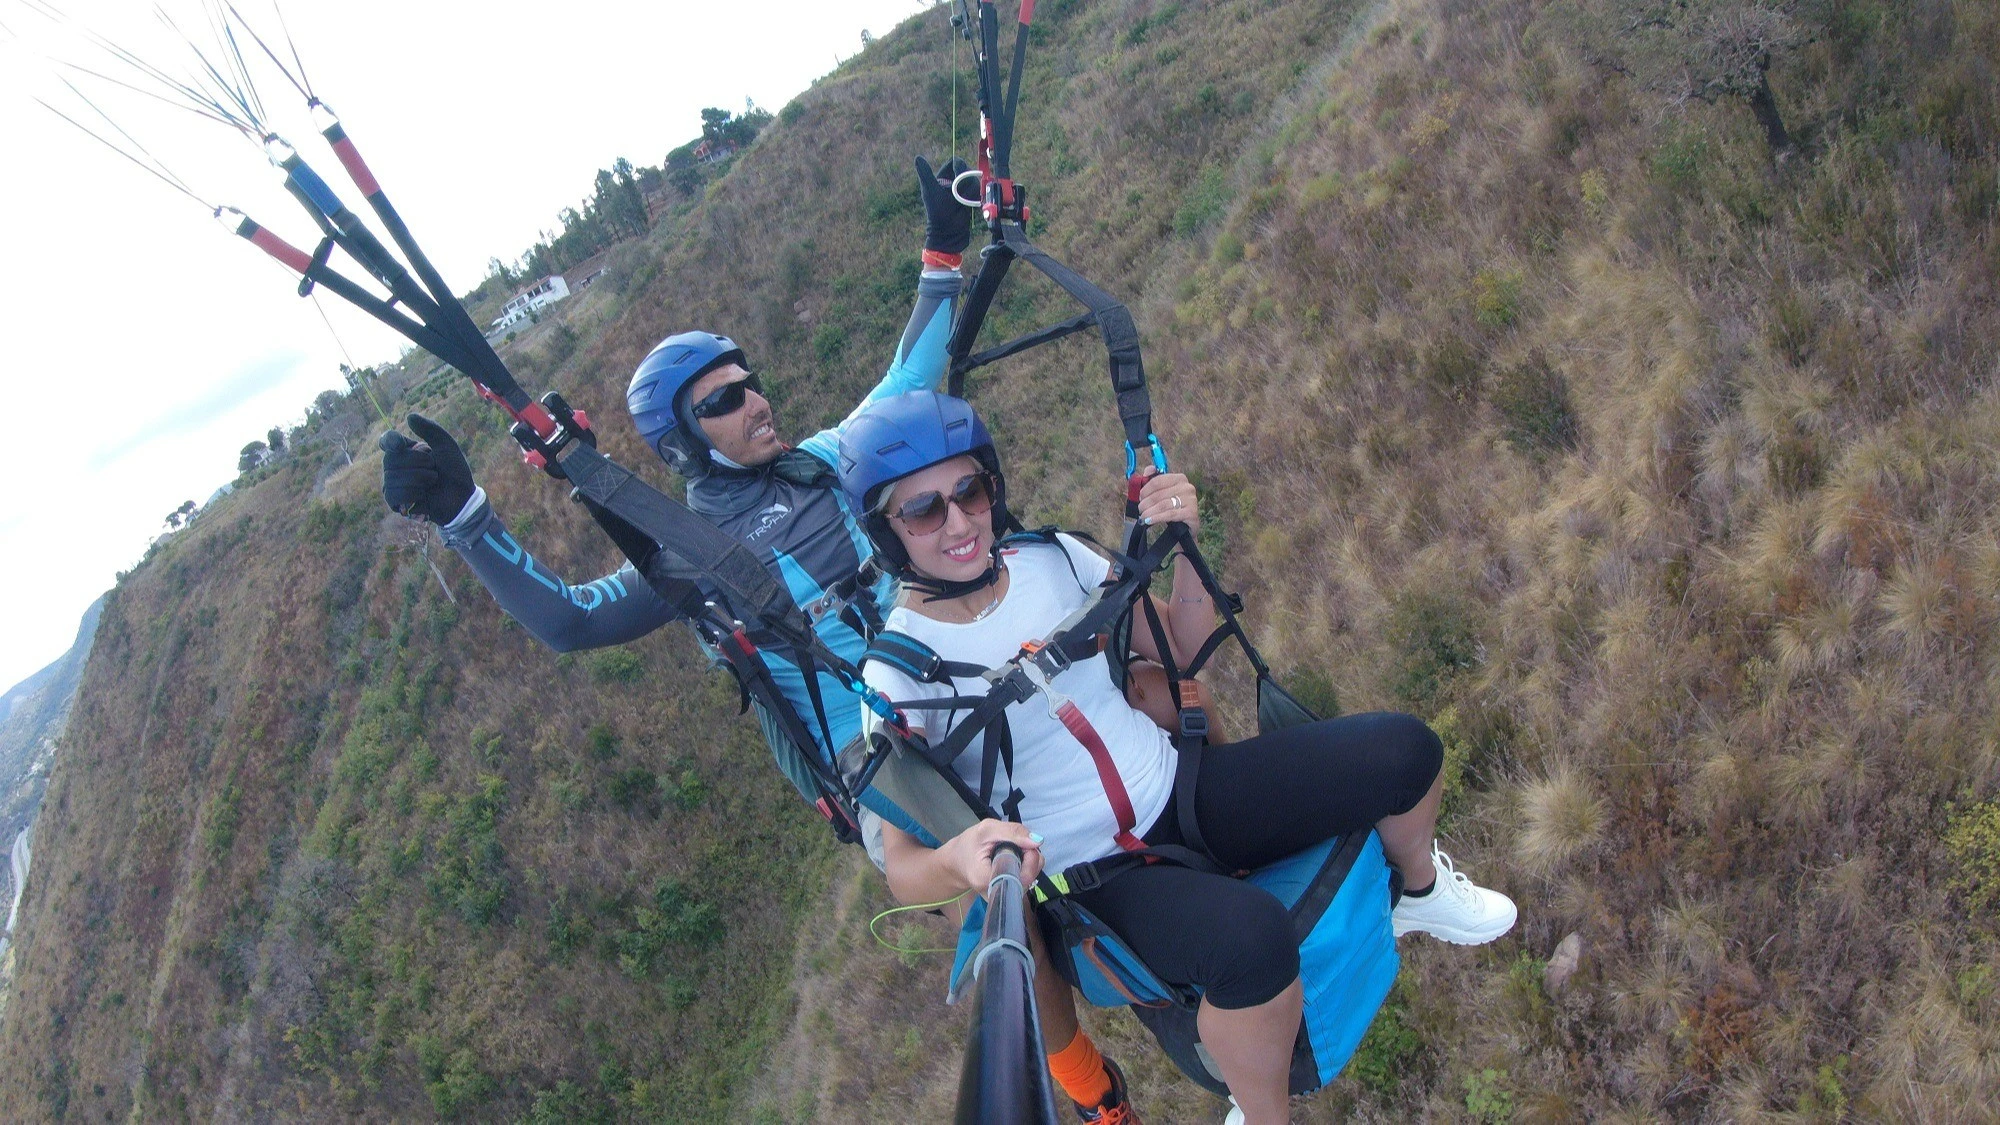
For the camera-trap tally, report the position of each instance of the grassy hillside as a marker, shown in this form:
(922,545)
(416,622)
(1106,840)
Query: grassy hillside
(1528,390)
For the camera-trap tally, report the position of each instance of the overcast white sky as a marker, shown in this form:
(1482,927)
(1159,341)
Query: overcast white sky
(143,346)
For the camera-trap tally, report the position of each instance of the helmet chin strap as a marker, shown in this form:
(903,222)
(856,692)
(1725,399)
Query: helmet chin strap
(942,589)
(722,459)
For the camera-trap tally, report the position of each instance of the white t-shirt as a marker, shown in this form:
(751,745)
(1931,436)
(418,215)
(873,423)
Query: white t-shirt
(1063,797)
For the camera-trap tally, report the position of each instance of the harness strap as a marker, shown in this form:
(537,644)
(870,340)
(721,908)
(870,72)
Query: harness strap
(810,673)
(1107,774)
(1190,742)
(754,678)
(1090,875)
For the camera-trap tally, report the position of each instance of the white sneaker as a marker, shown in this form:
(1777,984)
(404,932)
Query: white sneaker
(1456,910)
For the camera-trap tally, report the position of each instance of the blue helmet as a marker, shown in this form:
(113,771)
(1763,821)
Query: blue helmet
(899,435)
(658,401)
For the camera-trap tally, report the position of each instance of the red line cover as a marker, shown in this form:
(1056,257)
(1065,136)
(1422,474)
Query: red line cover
(357,169)
(278,248)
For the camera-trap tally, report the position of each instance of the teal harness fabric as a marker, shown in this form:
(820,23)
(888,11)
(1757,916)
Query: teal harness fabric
(1339,894)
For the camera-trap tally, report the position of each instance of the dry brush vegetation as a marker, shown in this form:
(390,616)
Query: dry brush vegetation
(1529,390)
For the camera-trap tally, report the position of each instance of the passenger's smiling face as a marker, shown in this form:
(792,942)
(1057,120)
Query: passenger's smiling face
(959,549)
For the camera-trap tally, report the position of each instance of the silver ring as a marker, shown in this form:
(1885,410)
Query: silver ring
(1176,500)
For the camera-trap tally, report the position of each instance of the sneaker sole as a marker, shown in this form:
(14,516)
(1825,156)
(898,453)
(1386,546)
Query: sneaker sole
(1455,937)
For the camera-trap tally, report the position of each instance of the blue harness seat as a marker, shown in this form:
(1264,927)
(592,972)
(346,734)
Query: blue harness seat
(1339,892)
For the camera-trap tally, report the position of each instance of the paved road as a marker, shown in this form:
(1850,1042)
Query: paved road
(20,878)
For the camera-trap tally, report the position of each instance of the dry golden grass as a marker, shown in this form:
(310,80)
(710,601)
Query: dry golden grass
(1562,819)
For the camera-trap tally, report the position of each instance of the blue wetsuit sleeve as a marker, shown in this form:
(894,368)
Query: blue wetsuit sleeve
(616,608)
(920,356)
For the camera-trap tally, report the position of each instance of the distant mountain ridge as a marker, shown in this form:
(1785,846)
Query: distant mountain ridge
(32,716)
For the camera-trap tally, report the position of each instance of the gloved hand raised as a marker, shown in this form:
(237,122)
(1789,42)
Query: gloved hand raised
(947,222)
(427,478)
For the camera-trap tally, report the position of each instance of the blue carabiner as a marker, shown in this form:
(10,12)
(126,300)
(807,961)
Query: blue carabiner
(876,701)
(1159,455)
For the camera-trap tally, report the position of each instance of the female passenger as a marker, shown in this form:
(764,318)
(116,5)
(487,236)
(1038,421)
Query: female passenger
(924,469)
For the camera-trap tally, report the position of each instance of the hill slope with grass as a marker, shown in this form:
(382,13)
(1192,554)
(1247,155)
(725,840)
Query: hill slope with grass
(1535,383)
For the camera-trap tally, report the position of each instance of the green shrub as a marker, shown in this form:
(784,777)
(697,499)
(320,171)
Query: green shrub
(685,790)
(1537,417)
(672,918)
(325,522)
(1487,1097)
(468,865)
(1679,161)
(636,786)
(1313,688)
(1457,761)
(616,666)
(568,1103)
(487,746)
(1388,1051)
(1825,1097)
(829,340)
(1972,839)
(1496,297)
(454,1081)
(1166,14)
(440,618)
(568,932)
(223,817)
(1206,200)
(602,741)
(893,204)
(1435,641)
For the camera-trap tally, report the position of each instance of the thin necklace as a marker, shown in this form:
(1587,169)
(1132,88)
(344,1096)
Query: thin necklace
(991,605)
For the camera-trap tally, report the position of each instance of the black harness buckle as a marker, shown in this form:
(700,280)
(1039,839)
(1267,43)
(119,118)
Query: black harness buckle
(1082,877)
(1194,723)
(1049,658)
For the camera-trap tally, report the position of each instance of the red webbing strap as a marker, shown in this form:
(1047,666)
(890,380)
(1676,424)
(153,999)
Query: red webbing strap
(1107,775)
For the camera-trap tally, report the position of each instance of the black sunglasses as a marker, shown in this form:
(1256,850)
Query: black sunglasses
(726,399)
(924,514)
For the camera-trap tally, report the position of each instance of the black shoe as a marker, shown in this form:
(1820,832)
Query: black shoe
(1114,1109)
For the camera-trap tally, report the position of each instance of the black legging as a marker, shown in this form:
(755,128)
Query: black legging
(1258,801)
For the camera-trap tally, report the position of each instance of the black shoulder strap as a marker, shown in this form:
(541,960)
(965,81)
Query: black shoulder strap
(908,655)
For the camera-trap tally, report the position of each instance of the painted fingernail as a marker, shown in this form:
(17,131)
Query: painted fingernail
(1035,836)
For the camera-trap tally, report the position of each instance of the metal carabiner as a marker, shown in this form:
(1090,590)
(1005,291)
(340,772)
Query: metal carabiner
(975,200)
(1056,700)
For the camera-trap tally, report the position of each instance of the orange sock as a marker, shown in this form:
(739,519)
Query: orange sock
(1079,1070)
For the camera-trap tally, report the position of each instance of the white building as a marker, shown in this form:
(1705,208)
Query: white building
(535,297)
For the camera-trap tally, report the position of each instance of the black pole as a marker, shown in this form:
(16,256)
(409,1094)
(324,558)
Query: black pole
(1006,1077)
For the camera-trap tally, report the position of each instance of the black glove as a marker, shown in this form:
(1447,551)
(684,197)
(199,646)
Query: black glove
(947,222)
(427,478)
